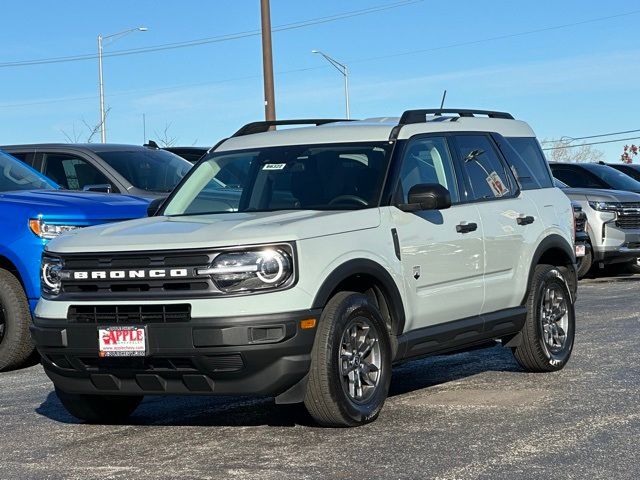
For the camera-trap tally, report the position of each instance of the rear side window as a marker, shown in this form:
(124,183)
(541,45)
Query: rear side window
(486,175)
(529,163)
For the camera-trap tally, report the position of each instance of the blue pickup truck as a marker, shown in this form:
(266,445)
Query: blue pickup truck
(33,210)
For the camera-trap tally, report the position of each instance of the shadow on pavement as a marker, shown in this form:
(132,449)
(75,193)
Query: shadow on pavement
(243,411)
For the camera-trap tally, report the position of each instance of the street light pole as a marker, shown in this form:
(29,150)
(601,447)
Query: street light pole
(112,37)
(103,133)
(267,62)
(344,70)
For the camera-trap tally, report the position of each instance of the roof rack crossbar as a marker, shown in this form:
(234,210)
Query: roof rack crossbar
(419,116)
(264,126)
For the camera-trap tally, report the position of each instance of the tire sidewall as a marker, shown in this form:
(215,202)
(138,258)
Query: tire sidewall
(15,305)
(559,359)
(354,306)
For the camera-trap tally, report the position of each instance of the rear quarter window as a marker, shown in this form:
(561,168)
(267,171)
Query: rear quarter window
(528,161)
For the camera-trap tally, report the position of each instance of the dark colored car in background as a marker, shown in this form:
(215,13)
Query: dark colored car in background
(137,170)
(192,154)
(633,170)
(593,175)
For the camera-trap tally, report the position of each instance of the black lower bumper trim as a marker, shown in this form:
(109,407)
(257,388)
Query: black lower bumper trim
(221,356)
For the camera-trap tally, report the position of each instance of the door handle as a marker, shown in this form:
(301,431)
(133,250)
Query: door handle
(528,220)
(466,227)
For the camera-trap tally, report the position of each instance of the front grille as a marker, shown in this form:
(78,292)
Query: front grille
(129,314)
(628,222)
(188,285)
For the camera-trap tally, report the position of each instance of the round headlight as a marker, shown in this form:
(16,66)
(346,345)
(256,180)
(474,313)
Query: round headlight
(250,270)
(50,275)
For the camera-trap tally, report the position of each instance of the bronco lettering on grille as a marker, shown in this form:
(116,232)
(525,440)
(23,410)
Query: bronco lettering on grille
(130,274)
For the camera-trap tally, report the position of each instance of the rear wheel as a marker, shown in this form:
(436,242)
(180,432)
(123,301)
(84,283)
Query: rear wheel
(101,409)
(548,332)
(350,363)
(15,340)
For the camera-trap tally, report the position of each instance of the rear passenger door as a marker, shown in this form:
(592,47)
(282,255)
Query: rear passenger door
(442,261)
(510,223)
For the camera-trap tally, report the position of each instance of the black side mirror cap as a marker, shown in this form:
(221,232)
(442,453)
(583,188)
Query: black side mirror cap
(154,206)
(427,196)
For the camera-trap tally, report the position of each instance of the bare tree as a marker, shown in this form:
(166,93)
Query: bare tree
(164,138)
(565,151)
(89,130)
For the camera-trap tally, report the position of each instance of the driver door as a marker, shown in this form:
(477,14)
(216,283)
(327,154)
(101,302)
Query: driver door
(443,264)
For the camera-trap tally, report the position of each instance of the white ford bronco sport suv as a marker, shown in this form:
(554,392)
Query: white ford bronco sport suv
(302,263)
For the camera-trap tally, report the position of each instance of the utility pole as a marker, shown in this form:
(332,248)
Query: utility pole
(267,62)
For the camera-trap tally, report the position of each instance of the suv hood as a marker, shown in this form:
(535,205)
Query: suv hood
(601,195)
(207,231)
(79,208)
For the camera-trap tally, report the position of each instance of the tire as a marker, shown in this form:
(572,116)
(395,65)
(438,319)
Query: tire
(633,267)
(100,409)
(15,317)
(332,396)
(535,353)
(585,263)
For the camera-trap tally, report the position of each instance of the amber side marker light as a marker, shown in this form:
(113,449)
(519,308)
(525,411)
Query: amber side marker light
(308,323)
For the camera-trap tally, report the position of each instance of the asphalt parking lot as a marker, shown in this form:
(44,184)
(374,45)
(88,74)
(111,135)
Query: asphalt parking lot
(473,415)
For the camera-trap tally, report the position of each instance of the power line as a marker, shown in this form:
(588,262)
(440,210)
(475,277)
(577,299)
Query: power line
(592,143)
(288,26)
(150,91)
(573,139)
(499,37)
(209,40)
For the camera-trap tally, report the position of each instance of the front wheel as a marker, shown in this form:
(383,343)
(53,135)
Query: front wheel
(585,263)
(100,409)
(15,341)
(350,363)
(634,266)
(549,330)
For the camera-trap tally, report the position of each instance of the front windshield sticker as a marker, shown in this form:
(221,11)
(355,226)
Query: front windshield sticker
(274,166)
(497,185)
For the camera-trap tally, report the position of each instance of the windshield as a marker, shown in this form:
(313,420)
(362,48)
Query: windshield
(15,175)
(300,177)
(151,170)
(614,178)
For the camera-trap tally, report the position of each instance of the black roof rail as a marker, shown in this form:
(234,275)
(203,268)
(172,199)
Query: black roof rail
(264,126)
(418,116)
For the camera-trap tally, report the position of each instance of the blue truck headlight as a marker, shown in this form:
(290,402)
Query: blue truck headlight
(48,230)
(253,269)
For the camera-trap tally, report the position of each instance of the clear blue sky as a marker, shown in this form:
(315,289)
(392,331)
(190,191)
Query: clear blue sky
(576,81)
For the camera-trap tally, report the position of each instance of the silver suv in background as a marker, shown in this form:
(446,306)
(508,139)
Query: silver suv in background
(613,217)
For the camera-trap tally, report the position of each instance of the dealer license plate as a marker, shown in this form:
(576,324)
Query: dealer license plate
(581,250)
(122,341)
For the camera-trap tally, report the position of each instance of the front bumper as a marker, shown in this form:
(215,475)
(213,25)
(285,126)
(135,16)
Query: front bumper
(259,356)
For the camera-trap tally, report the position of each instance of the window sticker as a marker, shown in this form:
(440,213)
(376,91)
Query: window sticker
(497,185)
(274,166)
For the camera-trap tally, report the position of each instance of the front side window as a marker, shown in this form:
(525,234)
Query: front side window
(146,169)
(576,178)
(14,175)
(298,177)
(427,160)
(72,172)
(486,175)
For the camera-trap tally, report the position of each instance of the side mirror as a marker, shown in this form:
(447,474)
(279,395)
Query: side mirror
(154,206)
(427,196)
(98,187)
